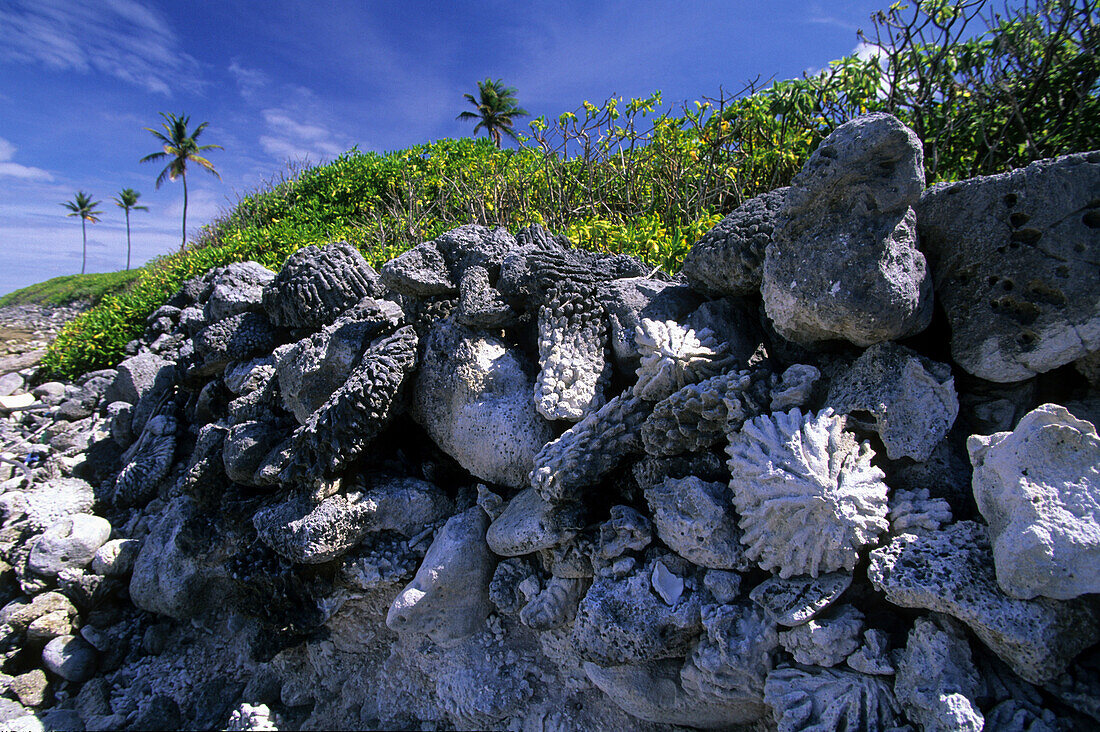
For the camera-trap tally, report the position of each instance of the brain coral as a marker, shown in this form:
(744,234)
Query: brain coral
(673,355)
(807,493)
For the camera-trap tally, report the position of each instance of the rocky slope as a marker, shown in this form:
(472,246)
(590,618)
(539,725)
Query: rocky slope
(840,474)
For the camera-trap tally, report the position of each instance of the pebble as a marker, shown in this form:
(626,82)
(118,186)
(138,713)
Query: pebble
(31,688)
(70,657)
(70,543)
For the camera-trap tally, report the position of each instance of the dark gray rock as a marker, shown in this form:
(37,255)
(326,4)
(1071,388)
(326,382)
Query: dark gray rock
(420,272)
(246,446)
(305,533)
(235,338)
(317,284)
(728,260)
(1014,259)
(236,288)
(316,366)
(136,376)
(480,305)
(843,261)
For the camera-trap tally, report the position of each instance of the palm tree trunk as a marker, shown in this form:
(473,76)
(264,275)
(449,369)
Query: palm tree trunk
(183,241)
(127,240)
(84,231)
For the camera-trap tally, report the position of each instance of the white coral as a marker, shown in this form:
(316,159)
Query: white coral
(673,356)
(912,511)
(808,496)
(828,699)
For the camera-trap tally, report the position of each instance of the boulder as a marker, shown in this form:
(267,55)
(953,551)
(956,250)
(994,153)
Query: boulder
(1014,258)
(1038,487)
(843,261)
(70,657)
(136,376)
(236,288)
(448,599)
(317,284)
(472,395)
(70,543)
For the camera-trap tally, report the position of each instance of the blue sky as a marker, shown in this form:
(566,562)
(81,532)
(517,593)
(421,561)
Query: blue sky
(281,80)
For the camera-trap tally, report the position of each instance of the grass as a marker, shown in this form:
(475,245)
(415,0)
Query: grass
(72,288)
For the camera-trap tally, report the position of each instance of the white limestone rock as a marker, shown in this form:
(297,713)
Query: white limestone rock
(70,543)
(808,496)
(1039,488)
(529,523)
(472,395)
(448,599)
(911,398)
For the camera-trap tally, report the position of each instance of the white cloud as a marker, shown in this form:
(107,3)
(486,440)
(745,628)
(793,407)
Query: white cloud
(120,38)
(15,170)
(288,138)
(249,81)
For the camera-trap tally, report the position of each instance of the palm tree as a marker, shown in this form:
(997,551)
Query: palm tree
(496,106)
(84,207)
(180,146)
(127,200)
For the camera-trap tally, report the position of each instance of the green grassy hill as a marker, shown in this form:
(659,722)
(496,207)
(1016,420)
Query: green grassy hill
(72,288)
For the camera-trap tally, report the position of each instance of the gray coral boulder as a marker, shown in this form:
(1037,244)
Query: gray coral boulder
(1039,488)
(729,259)
(1014,257)
(236,288)
(472,396)
(317,284)
(843,263)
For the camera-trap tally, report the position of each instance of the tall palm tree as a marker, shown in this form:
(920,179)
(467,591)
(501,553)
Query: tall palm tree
(127,200)
(496,106)
(84,207)
(179,148)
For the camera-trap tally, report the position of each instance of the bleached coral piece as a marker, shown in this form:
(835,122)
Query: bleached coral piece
(794,387)
(829,699)
(573,355)
(626,530)
(673,355)
(249,718)
(917,511)
(152,457)
(827,640)
(732,661)
(699,415)
(589,449)
(808,496)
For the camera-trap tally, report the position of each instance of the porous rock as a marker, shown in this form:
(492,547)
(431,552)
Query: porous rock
(352,417)
(937,682)
(530,523)
(317,284)
(623,621)
(696,520)
(951,572)
(573,354)
(1039,488)
(448,599)
(235,338)
(47,503)
(311,534)
(1014,261)
(236,288)
(808,495)
(910,398)
(729,258)
(316,366)
(472,395)
(843,261)
(825,640)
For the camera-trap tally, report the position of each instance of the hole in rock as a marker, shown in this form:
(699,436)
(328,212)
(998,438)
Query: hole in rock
(1026,236)
(1010,200)
(1091,219)
(1018,219)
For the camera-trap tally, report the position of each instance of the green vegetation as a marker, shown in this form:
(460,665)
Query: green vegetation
(84,207)
(179,147)
(496,109)
(127,200)
(625,176)
(71,288)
